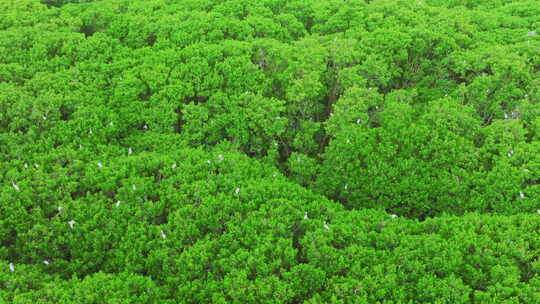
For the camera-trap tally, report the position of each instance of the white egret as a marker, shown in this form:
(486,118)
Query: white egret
(71,223)
(133,187)
(44,117)
(59,208)
(130,151)
(15,186)
(99,164)
(111,124)
(393,216)
(220,157)
(26,165)
(145,127)
(538,211)
(45,262)
(90,132)
(510,153)
(36,165)
(521,194)
(117,203)
(11,267)
(173,165)
(237,191)
(305,216)
(358,121)
(325,224)
(163,234)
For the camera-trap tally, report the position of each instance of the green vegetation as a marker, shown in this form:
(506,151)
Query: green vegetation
(269,151)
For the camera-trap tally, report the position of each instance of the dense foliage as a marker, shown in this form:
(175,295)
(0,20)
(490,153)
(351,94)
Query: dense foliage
(269,151)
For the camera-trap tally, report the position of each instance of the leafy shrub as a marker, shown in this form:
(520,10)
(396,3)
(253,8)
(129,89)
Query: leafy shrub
(269,151)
